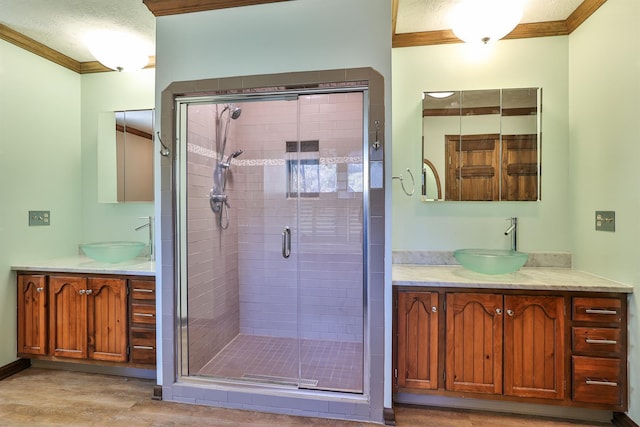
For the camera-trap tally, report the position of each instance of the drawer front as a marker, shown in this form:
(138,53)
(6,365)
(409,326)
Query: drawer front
(602,310)
(596,340)
(143,345)
(143,337)
(596,380)
(143,314)
(143,290)
(143,354)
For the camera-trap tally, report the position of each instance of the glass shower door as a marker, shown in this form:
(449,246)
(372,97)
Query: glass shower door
(272,284)
(330,241)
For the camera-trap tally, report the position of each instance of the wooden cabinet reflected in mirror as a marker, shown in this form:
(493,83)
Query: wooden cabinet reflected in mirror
(484,145)
(125,156)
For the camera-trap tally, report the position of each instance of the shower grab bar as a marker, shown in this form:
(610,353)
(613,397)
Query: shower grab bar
(286,242)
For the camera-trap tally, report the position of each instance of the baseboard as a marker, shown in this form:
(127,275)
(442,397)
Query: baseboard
(157,392)
(389,417)
(621,419)
(14,367)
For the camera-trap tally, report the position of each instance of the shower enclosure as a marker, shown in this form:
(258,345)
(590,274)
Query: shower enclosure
(272,242)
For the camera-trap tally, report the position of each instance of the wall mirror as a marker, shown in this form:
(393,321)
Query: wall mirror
(125,156)
(481,145)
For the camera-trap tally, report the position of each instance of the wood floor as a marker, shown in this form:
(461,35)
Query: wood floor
(42,397)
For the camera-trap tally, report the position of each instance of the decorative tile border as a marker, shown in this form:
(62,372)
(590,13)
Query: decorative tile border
(206,152)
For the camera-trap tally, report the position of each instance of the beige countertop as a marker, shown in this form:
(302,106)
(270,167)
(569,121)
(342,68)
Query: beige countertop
(83,264)
(533,278)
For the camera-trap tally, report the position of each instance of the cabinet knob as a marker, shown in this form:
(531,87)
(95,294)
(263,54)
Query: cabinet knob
(82,291)
(39,289)
(510,313)
(498,311)
(89,292)
(434,309)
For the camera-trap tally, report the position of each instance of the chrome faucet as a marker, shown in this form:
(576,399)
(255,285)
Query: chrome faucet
(149,224)
(513,230)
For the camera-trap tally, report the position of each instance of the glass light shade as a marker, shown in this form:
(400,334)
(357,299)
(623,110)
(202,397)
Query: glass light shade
(118,51)
(485,21)
(440,95)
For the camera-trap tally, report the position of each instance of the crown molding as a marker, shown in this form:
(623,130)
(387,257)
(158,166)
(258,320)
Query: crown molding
(38,48)
(43,51)
(175,7)
(522,31)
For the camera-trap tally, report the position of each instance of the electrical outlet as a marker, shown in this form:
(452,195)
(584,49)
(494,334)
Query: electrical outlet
(605,221)
(39,218)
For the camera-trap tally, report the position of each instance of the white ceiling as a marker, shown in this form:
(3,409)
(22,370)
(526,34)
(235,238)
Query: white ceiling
(432,15)
(63,25)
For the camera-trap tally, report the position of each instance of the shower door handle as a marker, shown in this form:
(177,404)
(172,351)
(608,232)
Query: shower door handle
(286,242)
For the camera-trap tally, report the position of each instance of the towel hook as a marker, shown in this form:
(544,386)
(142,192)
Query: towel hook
(164,151)
(376,143)
(413,183)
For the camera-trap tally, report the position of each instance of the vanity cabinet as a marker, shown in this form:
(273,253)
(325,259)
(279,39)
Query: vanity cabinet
(89,318)
(474,335)
(32,314)
(565,348)
(143,321)
(598,362)
(417,349)
(505,344)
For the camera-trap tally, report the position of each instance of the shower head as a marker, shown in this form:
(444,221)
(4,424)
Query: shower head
(235,112)
(232,156)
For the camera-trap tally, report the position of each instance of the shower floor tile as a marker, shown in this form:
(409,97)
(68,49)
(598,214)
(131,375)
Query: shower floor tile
(325,365)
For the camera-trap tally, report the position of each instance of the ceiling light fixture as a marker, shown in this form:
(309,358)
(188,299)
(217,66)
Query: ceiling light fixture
(440,95)
(485,21)
(118,51)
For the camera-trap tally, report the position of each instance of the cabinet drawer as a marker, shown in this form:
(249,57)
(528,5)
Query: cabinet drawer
(602,310)
(143,337)
(596,380)
(143,345)
(596,340)
(144,314)
(143,290)
(143,354)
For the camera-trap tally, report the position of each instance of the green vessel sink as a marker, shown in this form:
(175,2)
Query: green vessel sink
(112,251)
(491,261)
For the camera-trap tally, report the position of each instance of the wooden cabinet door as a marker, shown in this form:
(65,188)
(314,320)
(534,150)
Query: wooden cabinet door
(417,352)
(32,320)
(107,319)
(68,316)
(534,362)
(473,360)
(472,167)
(520,167)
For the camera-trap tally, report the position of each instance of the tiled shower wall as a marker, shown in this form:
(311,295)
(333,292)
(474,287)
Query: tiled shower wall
(212,253)
(325,299)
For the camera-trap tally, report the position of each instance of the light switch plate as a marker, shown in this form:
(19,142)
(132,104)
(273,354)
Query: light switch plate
(605,221)
(37,218)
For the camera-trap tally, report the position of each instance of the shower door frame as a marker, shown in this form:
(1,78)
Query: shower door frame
(181,320)
(378,380)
